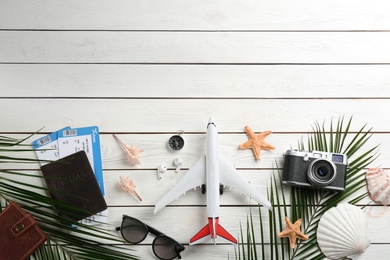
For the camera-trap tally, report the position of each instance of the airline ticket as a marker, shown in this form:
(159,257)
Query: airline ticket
(69,140)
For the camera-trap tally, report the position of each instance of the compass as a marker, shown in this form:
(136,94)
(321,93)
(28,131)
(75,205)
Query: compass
(176,142)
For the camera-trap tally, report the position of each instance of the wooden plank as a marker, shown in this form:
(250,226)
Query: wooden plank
(192,48)
(228,252)
(151,189)
(193,213)
(171,115)
(155,151)
(192,219)
(198,81)
(194,15)
(224,251)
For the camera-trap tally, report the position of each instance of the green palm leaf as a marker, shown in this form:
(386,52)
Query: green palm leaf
(310,204)
(65,242)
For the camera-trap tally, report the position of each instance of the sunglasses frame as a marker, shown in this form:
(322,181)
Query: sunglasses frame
(150,230)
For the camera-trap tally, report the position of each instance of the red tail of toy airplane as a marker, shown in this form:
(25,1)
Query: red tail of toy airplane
(213,229)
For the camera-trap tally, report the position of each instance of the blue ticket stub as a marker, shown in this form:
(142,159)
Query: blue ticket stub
(46,148)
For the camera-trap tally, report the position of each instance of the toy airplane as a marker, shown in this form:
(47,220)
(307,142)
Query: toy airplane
(212,171)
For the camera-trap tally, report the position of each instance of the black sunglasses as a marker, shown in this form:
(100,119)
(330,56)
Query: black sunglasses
(135,231)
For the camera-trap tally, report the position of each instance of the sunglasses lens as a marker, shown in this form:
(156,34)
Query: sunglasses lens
(133,231)
(166,248)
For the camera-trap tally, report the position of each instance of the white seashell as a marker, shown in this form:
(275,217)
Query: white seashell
(378,185)
(342,232)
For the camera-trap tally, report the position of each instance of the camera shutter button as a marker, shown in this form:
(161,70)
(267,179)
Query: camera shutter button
(306,157)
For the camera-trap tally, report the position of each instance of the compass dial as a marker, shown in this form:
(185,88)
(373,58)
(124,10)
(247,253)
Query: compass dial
(176,142)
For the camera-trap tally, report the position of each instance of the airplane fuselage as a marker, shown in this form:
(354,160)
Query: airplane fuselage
(212,171)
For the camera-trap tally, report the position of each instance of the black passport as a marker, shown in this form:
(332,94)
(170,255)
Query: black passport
(71,180)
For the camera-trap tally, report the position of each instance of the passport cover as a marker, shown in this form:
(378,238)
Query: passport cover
(20,235)
(71,180)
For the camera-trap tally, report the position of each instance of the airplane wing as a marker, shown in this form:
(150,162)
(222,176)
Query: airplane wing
(195,177)
(230,177)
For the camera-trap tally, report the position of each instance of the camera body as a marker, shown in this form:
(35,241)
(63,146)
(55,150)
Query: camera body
(315,169)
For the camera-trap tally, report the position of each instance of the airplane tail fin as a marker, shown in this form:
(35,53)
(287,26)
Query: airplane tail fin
(212,230)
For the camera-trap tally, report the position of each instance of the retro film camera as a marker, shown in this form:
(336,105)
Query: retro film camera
(320,170)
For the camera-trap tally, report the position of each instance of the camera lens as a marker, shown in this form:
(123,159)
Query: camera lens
(321,172)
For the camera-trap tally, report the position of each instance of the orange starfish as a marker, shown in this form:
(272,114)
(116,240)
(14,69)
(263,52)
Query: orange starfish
(256,142)
(293,231)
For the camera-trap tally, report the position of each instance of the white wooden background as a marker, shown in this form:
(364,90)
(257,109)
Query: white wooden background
(144,69)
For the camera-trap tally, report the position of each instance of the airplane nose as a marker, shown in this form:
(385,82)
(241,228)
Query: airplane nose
(211,122)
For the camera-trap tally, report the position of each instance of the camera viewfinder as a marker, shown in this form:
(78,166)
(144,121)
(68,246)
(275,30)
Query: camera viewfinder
(337,158)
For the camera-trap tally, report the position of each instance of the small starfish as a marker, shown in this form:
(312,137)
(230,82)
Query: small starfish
(256,142)
(293,231)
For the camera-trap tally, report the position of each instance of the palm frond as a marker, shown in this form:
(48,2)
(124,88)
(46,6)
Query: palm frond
(311,204)
(64,241)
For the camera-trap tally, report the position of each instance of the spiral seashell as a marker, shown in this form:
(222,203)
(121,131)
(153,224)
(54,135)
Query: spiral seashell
(133,153)
(127,185)
(378,185)
(342,232)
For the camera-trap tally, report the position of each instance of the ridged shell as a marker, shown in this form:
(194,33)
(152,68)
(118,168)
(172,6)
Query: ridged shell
(378,185)
(342,232)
